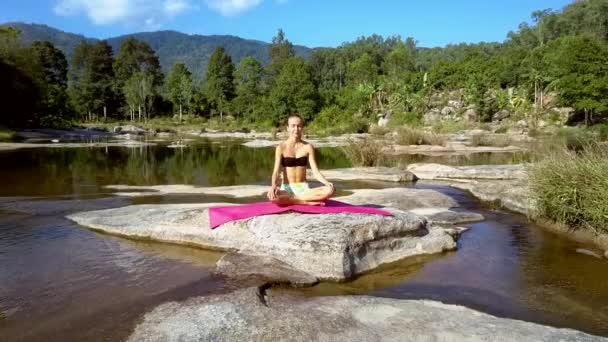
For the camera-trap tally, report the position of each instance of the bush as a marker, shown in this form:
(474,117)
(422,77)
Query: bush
(365,152)
(412,136)
(572,187)
(450,126)
(407,118)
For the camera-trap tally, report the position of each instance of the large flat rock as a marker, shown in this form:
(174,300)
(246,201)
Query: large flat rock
(431,171)
(325,246)
(387,174)
(248,315)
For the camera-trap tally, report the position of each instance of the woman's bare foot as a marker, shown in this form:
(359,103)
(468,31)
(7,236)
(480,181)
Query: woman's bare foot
(317,203)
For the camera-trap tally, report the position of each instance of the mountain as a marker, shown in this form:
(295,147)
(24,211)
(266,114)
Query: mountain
(170,46)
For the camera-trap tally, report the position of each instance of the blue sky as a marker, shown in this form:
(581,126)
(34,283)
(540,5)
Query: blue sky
(306,22)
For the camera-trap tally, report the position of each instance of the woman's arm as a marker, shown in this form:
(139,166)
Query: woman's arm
(315,168)
(272,193)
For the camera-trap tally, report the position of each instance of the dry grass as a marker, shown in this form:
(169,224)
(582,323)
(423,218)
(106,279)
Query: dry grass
(495,140)
(412,136)
(365,152)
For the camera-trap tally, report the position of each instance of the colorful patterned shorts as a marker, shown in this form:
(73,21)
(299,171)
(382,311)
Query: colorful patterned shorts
(296,189)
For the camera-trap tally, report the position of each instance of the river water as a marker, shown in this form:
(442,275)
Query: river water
(60,281)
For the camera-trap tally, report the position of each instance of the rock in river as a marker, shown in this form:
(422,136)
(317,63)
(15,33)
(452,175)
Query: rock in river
(324,246)
(251,315)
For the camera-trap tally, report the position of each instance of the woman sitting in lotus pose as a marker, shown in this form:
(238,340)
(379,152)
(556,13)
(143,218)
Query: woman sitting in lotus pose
(291,158)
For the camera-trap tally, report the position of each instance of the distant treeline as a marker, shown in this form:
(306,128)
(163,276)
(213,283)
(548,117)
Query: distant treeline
(563,52)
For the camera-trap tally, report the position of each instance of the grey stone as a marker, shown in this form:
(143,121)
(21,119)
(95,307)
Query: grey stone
(438,171)
(501,115)
(253,315)
(326,246)
(259,270)
(388,174)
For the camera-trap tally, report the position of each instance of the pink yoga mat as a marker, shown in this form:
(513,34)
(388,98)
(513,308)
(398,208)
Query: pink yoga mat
(221,215)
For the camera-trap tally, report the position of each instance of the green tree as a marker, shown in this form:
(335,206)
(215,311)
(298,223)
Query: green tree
(362,70)
(54,81)
(219,86)
(248,80)
(179,86)
(280,51)
(135,56)
(91,79)
(19,89)
(579,67)
(293,91)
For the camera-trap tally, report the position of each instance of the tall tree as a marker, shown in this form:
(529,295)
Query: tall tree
(135,56)
(91,79)
(579,67)
(280,50)
(219,86)
(179,86)
(54,81)
(19,89)
(248,80)
(293,91)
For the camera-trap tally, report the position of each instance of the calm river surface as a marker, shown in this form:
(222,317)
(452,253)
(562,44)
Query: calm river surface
(59,281)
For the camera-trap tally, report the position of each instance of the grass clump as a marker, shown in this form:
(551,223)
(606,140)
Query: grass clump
(378,130)
(365,152)
(450,126)
(412,136)
(495,140)
(571,187)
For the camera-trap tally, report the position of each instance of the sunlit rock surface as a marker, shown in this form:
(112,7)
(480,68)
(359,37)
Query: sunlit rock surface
(251,315)
(326,246)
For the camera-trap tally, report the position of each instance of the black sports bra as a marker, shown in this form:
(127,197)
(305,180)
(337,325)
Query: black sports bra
(291,161)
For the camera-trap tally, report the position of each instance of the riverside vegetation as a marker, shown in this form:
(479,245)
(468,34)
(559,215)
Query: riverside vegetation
(551,72)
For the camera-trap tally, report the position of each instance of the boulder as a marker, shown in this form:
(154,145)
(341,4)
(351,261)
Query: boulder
(325,246)
(432,116)
(128,129)
(470,115)
(501,115)
(455,104)
(446,111)
(255,315)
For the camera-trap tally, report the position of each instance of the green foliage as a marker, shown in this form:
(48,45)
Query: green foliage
(579,65)
(572,187)
(280,51)
(91,79)
(248,87)
(293,92)
(405,118)
(219,81)
(179,86)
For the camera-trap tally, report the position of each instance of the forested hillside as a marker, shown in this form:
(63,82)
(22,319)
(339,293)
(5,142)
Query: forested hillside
(561,55)
(170,46)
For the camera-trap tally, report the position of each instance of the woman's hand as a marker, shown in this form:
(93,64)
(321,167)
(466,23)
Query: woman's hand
(272,193)
(331,186)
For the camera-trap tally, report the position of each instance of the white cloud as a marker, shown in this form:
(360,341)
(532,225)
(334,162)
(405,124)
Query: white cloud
(150,13)
(232,7)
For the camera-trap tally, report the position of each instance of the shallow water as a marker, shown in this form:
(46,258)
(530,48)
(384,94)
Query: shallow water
(59,281)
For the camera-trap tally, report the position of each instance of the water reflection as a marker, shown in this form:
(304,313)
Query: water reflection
(82,171)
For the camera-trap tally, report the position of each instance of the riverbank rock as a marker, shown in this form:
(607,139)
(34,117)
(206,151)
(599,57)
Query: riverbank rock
(509,194)
(251,315)
(431,204)
(387,174)
(430,171)
(326,246)
(235,191)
